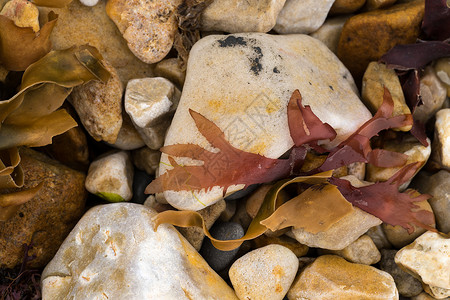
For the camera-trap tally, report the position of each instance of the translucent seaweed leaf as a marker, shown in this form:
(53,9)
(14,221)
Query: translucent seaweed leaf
(9,203)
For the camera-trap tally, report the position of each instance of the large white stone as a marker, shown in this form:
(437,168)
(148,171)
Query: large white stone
(243,82)
(114,253)
(303,16)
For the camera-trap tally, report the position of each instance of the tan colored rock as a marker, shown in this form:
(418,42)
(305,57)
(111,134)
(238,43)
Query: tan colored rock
(170,68)
(93,26)
(111,177)
(428,259)
(229,211)
(298,249)
(378,4)
(225,76)
(346,6)
(128,137)
(367,36)
(302,16)
(154,136)
(376,78)
(441,142)
(442,68)
(210,214)
(407,285)
(149,101)
(264,273)
(146,159)
(357,169)
(330,32)
(46,219)
(433,93)
(99,106)
(410,146)
(399,236)
(422,296)
(362,251)
(23,13)
(241,16)
(340,234)
(437,292)
(148,27)
(114,252)
(332,277)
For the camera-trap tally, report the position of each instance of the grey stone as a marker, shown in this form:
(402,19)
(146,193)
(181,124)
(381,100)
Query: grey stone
(146,159)
(217,259)
(407,285)
(362,251)
(330,32)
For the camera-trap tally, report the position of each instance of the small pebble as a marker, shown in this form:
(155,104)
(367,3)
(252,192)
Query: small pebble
(140,181)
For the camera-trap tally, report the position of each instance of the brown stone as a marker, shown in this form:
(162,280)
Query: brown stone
(362,251)
(346,6)
(332,277)
(170,69)
(46,219)
(99,106)
(148,26)
(399,236)
(78,25)
(367,36)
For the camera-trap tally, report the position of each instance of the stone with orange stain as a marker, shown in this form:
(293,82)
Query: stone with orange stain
(367,36)
(113,252)
(23,13)
(332,277)
(264,273)
(346,6)
(243,82)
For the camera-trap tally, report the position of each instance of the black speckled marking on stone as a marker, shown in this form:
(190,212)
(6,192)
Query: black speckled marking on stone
(255,61)
(275,70)
(331,87)
(232,41)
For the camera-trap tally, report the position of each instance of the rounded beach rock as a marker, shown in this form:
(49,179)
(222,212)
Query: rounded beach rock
(264,273)
(243,82)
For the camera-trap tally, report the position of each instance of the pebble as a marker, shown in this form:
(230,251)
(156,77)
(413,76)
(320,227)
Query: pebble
(111,177)
(229,211)
(113,252)
(302,16)
(92,26)
(330,32)
(241,15)
(128,137)
(437,292)
(89,2)
(362,251)
(150,101)
(148,27)
(438,186)
(140,181)
(407,285)
(357,169)
(375,79)
(278,63)
(218,260)
(442,68)
(378,236)
(341,234)
(427,258)
(415,151)
(433,93)
(169,68)
(99,106)
(146,159)
(154,136)
(332,277)
(441,142)
(367,36)
(264,273)
(46,219)
(210,214)
(399,236)
(23,13)
(346,6)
